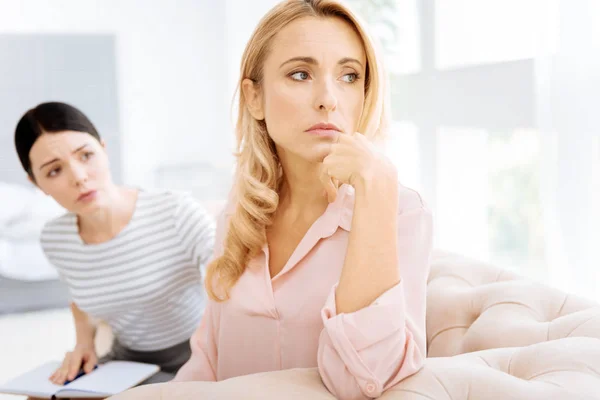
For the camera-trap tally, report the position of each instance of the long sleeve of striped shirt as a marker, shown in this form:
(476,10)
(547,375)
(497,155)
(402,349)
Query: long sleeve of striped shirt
(196,229)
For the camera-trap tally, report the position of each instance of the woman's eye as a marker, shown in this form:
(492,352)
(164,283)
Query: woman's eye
(53,172)
(87,156)
(350,78)
(299,76)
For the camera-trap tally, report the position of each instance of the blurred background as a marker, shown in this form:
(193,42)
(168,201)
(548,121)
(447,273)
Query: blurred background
(494,107)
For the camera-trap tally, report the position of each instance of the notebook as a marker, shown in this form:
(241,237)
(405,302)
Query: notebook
(106,380)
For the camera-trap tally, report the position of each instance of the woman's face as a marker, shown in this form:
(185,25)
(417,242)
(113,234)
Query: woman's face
(314,74)
(72,167)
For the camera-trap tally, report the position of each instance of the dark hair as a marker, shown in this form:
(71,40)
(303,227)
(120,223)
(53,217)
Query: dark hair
(49,117)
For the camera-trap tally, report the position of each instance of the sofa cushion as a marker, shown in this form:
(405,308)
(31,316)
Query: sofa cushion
(556,370)
(475,306)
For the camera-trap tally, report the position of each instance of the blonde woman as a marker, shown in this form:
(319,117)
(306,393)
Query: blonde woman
(321,255)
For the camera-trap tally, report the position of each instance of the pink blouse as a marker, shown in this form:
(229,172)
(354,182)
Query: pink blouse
(290,321)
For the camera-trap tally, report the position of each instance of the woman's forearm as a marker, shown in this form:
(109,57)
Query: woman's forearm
(371,264)
(85,328)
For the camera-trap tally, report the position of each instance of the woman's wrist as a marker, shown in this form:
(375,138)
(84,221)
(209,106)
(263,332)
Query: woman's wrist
(85,335)
(381,181)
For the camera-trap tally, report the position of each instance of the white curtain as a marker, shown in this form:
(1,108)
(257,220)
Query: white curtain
(569,94)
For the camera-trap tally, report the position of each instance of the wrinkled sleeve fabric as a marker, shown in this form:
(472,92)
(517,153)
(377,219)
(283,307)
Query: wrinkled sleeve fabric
(364,353)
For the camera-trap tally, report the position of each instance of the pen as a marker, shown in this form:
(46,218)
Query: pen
(79,375)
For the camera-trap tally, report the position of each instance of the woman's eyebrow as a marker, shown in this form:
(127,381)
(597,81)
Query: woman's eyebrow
(56,159)
(312,61)
(308,60)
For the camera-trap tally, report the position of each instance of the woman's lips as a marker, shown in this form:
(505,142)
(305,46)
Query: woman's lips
(324,129)
(87,196)
(324,132)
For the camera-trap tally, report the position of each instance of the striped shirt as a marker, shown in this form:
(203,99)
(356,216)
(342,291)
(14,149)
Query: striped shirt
(146,282)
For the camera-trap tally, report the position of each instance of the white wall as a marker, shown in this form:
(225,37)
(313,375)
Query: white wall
(170,71)
(241,18)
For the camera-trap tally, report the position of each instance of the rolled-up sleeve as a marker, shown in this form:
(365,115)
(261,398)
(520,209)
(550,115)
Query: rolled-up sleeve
(363,353)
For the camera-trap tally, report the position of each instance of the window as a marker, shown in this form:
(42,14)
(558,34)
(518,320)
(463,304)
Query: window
(477,165)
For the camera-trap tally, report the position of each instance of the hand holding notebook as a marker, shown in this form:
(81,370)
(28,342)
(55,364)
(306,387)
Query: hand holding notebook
(106,380)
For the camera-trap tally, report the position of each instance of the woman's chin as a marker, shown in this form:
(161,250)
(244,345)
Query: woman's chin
(88,207)
(309,152)
(319,152)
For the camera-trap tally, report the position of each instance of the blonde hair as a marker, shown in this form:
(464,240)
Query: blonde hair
(258,172)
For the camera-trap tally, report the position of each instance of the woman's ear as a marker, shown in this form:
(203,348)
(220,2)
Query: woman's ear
(103,144)
(253,97)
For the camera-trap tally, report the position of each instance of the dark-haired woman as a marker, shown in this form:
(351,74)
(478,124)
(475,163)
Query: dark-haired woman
(129,257)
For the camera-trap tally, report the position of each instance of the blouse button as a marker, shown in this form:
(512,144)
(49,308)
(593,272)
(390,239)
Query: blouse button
(370,387)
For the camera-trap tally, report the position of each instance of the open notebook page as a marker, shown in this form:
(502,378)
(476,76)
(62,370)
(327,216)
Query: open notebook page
(34,383)
(111,378)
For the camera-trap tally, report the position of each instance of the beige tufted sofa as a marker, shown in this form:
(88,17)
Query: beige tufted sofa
(491,335)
